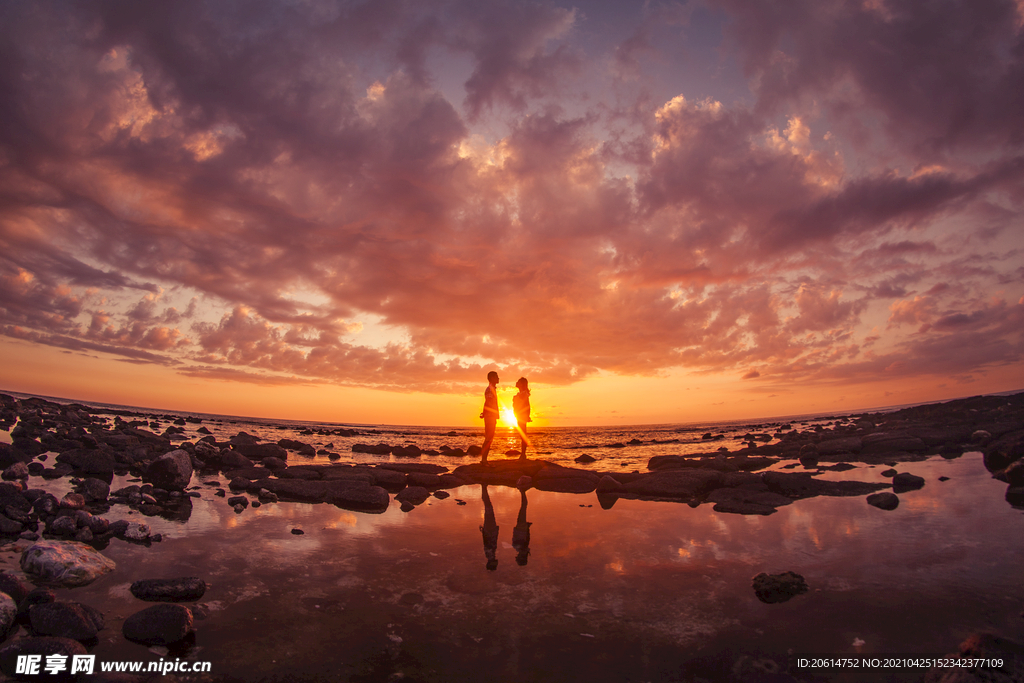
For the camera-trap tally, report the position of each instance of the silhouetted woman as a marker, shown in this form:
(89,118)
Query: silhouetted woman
(521,534)
(521,407)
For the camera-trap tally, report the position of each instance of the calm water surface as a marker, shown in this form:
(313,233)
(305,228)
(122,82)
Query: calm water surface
(645,591)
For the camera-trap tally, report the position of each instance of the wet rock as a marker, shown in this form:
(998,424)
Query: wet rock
(94,489)
(8,613)
(84,535)
(746,502)
(440,495)
(171,471)
(804,485)
(775,588)
(424,479)
(43,646)
(18,470)
(887,442)
(67,563)
(136,531)
(850,444)
(586,458)
(66,619)
(674,484)
(299,447)
(89,461)
(98,525)
(261,451)
(63,526)
(266,496)
(9,526)
(413,495)
(889,473)
(984,646)
(14,587)
(238,500)
(566,484)
(1015,496)
(373,449)
(884,500)
(524,482)
(1014,474)
(298,532)
(159,625)
(274,464)
(904,481)
(608,483)
(72,501)
(169,590)
(362,498)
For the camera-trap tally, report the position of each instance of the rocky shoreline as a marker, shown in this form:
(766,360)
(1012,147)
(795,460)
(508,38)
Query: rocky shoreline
(169,469)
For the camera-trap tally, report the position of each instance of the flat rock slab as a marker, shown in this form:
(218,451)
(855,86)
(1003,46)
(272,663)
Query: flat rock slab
(182,589)
(158,625)
(362,498)
(743,501)
(674,483)
(804,485)
(68,563)
(775,588)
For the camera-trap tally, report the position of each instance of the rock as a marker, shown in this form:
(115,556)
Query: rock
(67,563)
(889,473)
(884,500)
(43,646)
(169,590)
(674,483)
(18,470)
(413,494)
(238,500)
(37,596)
(1015,496)
(298,532)
(362,498)
(885,442)
(984,646)
(746,502)
(171,471)
(136,531)
(1014,474)
(273,463)
(94,489)
(904,481)
(424,479)
(73,501)
(775,588)
(524,482)
(14,587)
(850,444)
(441,495)
(158,625)
(66,619)
(608,483)
(566,484)
(10,526)
(63,526)
(585,458)
(266,496)
(8,613)
(261,451)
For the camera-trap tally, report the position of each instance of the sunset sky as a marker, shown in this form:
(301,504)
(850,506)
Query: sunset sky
(657,212)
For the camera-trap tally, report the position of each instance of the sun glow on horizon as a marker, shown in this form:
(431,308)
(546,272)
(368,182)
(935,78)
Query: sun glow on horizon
(508,417)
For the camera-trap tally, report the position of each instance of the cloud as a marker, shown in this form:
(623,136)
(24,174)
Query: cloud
(300,194)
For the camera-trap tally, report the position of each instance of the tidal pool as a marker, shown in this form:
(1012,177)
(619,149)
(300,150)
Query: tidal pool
(644,591)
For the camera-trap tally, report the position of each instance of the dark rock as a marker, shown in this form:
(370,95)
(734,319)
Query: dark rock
(10,527)
(524,482)
(441,495)
(18,470)
(850,444)
(14,586)
(8,614)
(363,498)
(883,442)
(889,473)
(158,625)
(238,500)
(566,484)
(804,485)
(90,461)
(427,481)
(171,471)
(94,489)
(608,483)
(585,458)
(413,494)
(674,484)
(1014,474)
(274,464)
(746,502)
(169,590)
(63,526)
(982,646)
(298,532)
(43,646)
(884,500)
(1015,496)
(904,481)
(377,449)
(261,451)
(66,619)
(775,588)
(72,501)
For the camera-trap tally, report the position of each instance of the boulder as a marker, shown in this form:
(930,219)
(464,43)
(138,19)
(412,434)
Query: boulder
(159,625)
(904,481)
(413,494)
(10,527)
(14,586)
(261,451)
(171,471)
(775,588)
(182,589)
(66,619)
(362,498)
(94,489)
(67,563)
(8,613)
(884,500)
(43,646)
(18,470)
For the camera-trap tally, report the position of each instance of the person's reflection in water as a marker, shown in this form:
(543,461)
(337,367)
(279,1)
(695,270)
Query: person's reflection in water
(490,531)
(521,534)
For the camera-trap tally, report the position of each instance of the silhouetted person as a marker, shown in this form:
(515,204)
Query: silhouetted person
(489,529)
(521,534)
(521,407)
(490,414)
